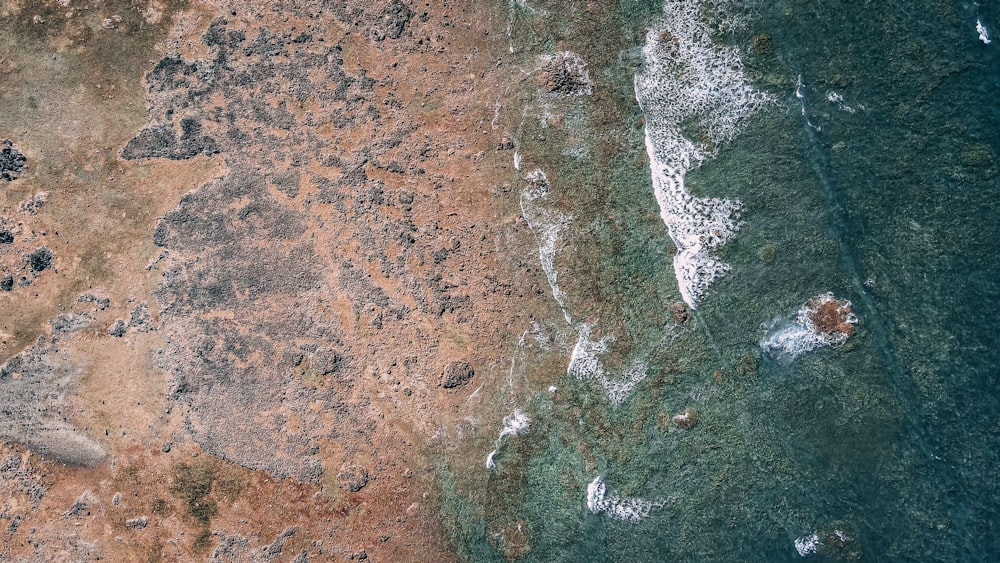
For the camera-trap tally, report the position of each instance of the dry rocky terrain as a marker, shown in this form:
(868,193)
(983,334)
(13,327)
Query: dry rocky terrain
(257,259)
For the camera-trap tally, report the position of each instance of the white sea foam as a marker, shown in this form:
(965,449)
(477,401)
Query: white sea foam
(629,509)
(585,364)
(690,82)
(514,424)
(836,98)
(984,35)
(788,339)
(806,545)
(800,95)
(547,224)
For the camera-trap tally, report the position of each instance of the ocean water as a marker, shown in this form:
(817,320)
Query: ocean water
(738,159)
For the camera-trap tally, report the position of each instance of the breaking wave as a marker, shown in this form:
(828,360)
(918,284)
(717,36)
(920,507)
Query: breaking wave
(687,80)
(628,509)
(514,424)
(788,339)
(585,363)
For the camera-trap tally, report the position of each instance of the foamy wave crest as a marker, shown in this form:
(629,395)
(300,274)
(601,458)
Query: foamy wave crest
(984,34)
(788,339)
(547,224)
(688,80)
(806,545)
(585,364)
(628,509)
(514,424)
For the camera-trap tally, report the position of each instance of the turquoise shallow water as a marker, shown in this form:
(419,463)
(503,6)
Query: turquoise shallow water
(878,183)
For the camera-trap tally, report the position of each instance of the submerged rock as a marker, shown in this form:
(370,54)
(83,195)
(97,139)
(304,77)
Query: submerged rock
(831,316)
(679,312)
(823,321)
(564,73)
(686,420)
(762,44)
(513,540)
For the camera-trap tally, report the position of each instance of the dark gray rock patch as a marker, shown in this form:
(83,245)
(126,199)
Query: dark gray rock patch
(118,328)
(12,161)
(137,523)
(352,477)
(456,374)
(40,259)
(240,310)
(397,17)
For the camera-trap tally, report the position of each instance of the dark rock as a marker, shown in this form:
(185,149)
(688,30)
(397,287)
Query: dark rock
(679,312)
(137,523)
(82,505)
(217,35)
(12,162)
(118,329)
(287,183)
(397,17)
(565,73)
(160,141)
(762,44)
(40,259)
(31,205)
(278,544)
(6,237)
(440,255)
(686,420)
(456,374)
(352,477)
(140,319)
(102,302)
(6,283)
(68,323)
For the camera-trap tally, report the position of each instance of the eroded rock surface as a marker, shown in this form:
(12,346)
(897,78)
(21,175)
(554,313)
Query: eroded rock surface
(12,161)
(33,388)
